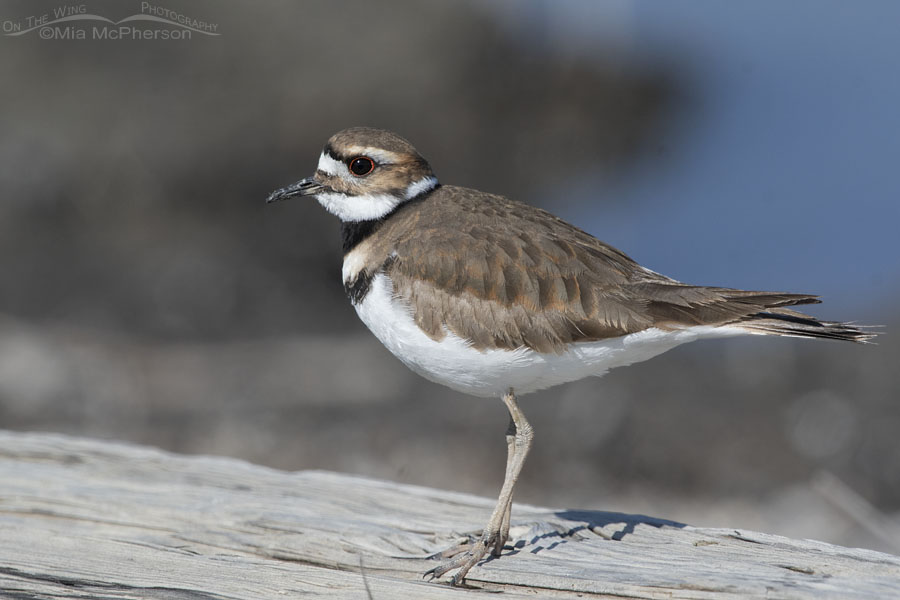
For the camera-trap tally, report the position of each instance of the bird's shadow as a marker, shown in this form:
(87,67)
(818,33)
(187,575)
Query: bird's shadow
(587,524)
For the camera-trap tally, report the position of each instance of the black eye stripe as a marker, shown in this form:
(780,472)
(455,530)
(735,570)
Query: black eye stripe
(361,165)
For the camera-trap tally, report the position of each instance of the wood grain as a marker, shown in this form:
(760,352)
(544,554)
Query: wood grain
(85,519)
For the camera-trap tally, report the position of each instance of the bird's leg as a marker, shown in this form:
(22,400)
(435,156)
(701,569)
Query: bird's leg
(504,527)
(510,454)
(521,444)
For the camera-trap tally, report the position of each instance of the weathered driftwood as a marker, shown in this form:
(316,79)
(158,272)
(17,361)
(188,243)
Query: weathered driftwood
(84,519)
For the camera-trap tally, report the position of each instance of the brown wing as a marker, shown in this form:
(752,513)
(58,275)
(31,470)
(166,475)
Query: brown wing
(502,274)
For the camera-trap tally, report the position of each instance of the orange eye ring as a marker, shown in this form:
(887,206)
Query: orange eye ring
(361,165)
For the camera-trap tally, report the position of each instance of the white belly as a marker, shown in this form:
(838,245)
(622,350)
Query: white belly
(454,363)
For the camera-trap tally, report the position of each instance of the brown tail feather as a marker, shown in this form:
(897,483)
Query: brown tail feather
(698,305)
(756,312)
(795,324)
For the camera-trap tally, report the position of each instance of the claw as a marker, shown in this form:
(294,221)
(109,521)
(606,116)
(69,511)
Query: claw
(464,557)
(452,551)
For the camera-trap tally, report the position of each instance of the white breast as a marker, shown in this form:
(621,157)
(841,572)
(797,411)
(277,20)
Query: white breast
(454,363)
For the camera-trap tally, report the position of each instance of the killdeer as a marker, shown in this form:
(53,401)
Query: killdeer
(494,298)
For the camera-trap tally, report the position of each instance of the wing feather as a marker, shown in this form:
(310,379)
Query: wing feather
(501,274)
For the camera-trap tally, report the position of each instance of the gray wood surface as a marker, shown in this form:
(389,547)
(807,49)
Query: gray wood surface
(86,519)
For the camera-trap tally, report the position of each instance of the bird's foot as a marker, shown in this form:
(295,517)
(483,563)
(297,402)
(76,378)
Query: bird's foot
(466,555)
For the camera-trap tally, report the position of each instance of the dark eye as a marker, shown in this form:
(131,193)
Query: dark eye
(361,165)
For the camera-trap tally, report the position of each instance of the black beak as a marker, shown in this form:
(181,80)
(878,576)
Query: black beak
(304,187)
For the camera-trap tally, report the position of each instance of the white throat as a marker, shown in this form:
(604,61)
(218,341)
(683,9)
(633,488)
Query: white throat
(365,207)
(368,207)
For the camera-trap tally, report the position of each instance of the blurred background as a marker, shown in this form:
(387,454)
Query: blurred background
(148,294)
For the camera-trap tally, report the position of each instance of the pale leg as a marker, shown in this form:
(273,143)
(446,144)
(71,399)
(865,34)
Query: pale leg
(510,453)
(498,525)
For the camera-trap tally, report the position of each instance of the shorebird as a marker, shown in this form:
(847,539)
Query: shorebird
(494,298)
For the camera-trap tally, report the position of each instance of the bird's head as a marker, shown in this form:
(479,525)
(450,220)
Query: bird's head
(364,174)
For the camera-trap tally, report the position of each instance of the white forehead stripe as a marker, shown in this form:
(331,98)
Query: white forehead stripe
(330,166)
(377,154)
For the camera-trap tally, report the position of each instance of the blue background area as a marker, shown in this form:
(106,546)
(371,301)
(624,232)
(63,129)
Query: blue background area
(782,172)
